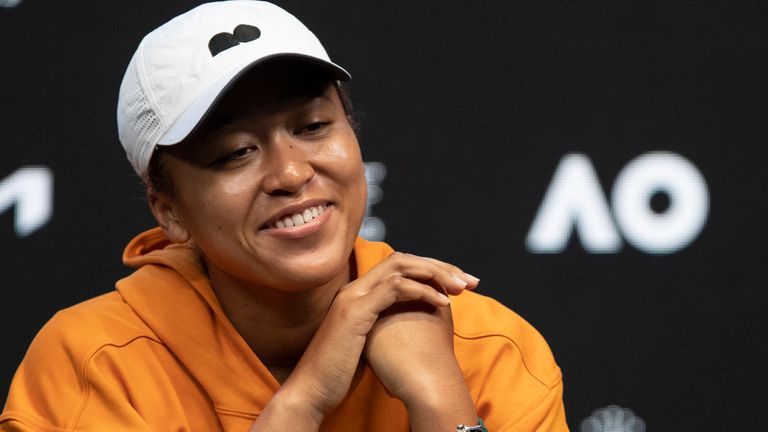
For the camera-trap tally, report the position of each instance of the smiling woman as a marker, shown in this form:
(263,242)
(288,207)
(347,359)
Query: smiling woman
(254,305)
(277,145)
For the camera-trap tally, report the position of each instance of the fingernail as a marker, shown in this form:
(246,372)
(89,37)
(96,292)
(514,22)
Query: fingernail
(460,281)
(448,300)
(474,279)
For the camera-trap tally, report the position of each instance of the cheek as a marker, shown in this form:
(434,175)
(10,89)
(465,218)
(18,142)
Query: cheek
(343,155)
(346,165)
(237,186)
(341,163)
(345,149)
(215,202)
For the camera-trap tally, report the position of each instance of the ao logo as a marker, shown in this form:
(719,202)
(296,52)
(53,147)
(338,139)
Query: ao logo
(30,190)
(575,200)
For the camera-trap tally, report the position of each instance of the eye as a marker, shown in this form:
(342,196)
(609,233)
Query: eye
(239,154)
(313,128)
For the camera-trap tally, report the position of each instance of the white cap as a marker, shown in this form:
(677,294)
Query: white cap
(181,68)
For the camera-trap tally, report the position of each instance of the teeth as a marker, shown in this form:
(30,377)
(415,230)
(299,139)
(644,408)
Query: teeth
(298,219)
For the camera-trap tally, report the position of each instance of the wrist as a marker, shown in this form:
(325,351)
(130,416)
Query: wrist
(441,410)
(437,387)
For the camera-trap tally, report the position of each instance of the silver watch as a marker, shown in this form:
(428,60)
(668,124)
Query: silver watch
(462,428)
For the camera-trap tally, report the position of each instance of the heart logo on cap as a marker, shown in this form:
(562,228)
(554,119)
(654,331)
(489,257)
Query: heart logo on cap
(224,41)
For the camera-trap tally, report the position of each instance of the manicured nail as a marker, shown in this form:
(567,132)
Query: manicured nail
(474,279)
(460,281)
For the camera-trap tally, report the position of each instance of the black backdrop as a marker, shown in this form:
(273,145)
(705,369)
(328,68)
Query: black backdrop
(470,106)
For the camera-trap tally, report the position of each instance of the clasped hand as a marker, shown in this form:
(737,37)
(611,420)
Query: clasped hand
(397,317)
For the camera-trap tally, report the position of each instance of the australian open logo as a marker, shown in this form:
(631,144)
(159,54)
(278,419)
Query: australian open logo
(613,418)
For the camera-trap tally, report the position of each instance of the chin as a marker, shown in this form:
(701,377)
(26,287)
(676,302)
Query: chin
(308,271)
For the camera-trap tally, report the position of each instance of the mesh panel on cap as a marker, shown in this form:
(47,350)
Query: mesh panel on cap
(142,123)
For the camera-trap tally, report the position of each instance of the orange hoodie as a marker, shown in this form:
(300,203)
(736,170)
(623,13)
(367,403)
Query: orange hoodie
(159,354)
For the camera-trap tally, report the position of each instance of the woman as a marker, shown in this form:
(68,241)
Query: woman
(254,304)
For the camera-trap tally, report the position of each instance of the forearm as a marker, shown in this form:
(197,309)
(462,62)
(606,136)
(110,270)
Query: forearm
(287,411)
(442,406)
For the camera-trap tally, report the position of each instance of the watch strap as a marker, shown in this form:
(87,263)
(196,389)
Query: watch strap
(478,428)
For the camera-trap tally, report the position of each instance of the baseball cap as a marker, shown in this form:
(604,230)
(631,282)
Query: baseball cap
(181,68)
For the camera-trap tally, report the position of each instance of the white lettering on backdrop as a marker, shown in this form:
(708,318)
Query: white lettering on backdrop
(29,190)
(575,200)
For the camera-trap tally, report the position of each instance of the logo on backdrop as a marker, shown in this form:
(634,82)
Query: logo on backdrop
(373,228)
(659,203)
(29,190)
(9,3)
(613,418)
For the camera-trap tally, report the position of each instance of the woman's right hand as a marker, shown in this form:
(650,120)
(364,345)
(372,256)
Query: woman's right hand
(325,371)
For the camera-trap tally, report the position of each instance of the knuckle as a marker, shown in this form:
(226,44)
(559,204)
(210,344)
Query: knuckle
(397,258)
(348,296)
(396,281)
(343,296)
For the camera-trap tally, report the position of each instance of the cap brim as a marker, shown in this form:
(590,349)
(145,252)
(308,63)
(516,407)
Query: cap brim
(202,104)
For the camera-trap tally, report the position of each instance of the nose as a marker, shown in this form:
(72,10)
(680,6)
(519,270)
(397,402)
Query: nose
(288,168)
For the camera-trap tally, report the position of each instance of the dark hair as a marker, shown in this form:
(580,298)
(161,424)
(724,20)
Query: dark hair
(157,178)
(159,181)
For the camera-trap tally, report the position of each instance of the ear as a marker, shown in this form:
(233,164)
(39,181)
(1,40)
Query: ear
(164,209)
